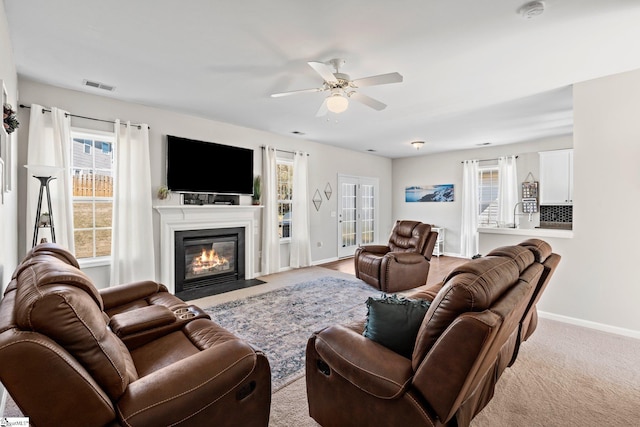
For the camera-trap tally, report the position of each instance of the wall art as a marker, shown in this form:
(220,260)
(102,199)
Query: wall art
(317,199)
(429,193)
(328,191)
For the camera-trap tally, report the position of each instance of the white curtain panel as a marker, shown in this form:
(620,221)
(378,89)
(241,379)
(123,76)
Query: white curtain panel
(270,238)
(470,191)
(132,253)
(300,255)
(507,189)
(48,154)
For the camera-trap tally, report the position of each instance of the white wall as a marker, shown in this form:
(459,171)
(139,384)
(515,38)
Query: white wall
(446,168)
(597,281)
(325,162)
(9,207)
(600,282)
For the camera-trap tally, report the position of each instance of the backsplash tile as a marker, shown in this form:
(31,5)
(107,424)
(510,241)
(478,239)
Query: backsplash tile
(556,213)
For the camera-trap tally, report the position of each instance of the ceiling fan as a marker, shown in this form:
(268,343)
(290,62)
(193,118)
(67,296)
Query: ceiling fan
(342,88)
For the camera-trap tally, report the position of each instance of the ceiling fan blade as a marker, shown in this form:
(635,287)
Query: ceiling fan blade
(323,110)
(381,79)
(324,71)
(368,101)
(294,92)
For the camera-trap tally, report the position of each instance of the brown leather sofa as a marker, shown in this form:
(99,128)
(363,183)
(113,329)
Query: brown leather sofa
(544,255)
(468,337)
(401,264)
(149,360)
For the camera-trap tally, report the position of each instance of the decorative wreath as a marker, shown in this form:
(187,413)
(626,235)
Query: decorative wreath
(9,118)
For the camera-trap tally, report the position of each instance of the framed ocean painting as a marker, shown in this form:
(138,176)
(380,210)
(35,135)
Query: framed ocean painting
(429,193)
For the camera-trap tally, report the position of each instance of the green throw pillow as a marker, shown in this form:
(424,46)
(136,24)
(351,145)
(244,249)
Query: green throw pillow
(394,321)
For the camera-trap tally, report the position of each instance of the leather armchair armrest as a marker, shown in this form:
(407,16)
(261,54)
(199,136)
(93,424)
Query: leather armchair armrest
(145,324)
(374,249)
(366,364)
(406,257)
(182,389)
(141,319)
(122,294)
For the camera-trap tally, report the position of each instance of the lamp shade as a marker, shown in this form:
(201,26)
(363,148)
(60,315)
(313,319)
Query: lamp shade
(337,103)
(417,144)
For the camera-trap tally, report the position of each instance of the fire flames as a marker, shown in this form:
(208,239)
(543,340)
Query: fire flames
(209,261)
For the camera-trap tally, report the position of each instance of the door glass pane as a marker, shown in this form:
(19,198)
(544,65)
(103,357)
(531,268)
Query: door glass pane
(348,214)
(367,214)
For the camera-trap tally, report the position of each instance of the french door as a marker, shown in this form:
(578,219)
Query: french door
(357,213)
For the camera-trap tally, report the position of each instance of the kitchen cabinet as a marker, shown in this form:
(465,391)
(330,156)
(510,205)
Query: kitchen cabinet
(556,177)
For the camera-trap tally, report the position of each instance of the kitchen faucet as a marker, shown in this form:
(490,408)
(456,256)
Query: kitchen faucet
(515,224)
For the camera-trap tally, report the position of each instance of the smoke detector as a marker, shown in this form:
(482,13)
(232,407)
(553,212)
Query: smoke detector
(532,9)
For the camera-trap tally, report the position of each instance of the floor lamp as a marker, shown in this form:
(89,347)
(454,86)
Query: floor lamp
(44,174)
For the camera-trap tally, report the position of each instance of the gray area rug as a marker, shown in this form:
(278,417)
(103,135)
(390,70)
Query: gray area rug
(280,322)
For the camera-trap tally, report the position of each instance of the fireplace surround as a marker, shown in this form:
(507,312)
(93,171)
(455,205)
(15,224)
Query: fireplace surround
(181,218)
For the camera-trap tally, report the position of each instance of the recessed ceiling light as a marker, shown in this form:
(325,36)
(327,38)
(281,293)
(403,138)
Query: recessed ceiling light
(482,144)
(297,132)
(371,150)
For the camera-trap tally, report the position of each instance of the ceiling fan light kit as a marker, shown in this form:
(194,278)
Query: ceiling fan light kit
(337,103)
(342,87)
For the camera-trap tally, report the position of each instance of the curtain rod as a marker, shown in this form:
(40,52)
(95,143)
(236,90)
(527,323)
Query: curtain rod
(284,151)
(44,110)
(488,160)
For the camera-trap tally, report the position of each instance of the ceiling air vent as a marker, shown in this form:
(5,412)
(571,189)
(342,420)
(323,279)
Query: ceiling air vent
(98,85)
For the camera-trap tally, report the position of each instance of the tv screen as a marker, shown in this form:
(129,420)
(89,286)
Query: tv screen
(206,167)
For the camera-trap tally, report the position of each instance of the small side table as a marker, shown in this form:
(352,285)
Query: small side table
(438,249)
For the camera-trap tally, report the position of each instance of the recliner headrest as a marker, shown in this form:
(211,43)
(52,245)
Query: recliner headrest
(52,249)
(472,287)
(521,255)
(409,236)
(541,250)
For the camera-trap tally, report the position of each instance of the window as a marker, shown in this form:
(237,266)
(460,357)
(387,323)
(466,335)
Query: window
(92,181)
(284,173)
(488,196)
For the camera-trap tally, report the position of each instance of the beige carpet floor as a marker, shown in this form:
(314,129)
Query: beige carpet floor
(565,375)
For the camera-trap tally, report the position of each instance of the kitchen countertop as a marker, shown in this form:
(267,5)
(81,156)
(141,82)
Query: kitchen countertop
(532,232)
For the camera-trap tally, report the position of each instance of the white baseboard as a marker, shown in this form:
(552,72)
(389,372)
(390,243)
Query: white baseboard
(592,325)
(325,261)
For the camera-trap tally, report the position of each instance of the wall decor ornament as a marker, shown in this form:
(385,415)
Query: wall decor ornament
(328,191)
(429,193)
(317,199)
(9,118)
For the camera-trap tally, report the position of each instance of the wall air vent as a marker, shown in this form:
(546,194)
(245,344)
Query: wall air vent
(98,85)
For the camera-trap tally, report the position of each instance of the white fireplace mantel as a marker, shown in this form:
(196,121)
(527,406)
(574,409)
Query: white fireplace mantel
(182,217)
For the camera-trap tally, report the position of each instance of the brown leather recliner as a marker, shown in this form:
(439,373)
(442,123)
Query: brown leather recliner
(467,339)
(403,263)
(65,361)
(544,255)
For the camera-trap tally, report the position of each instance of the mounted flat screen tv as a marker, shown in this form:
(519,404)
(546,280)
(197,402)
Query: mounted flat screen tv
(205,167)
